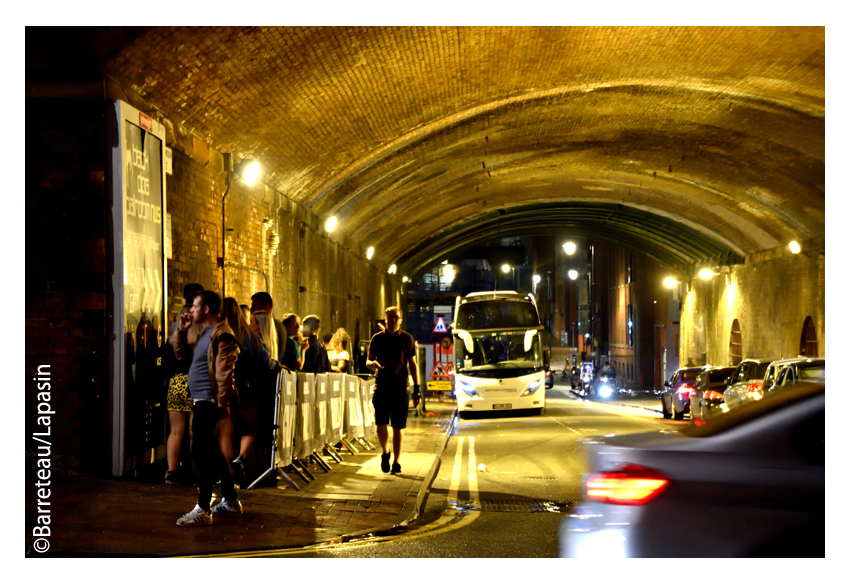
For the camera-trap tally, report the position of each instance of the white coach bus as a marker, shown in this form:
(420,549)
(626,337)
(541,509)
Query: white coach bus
(499,361)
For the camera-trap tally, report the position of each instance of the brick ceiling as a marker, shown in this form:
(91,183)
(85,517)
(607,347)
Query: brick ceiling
(688,144)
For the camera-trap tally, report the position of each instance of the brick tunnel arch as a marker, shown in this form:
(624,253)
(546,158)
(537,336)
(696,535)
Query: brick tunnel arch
(412,136)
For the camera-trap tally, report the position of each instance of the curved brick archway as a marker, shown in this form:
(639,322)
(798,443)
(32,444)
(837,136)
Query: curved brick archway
(411,135)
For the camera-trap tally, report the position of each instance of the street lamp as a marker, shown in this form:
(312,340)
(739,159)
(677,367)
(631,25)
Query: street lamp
(570,248)
(330,224)
(670,282)
(794,246)
(370,252)
(506,268)
(572,274)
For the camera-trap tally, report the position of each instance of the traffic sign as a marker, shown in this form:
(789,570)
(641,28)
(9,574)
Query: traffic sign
(440,327)
(439,371)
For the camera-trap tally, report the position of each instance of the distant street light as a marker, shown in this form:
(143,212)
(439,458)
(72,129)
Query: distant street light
(506,268)
(570,248)
(670,282)
(536,279)
(795,247)
(572,274)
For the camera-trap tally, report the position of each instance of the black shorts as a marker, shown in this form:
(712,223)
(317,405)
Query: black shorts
(391,407)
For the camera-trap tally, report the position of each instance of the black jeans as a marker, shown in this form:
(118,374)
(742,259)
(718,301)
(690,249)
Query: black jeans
(207,455)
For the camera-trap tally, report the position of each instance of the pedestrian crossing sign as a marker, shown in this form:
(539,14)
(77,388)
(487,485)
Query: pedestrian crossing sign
(440,327)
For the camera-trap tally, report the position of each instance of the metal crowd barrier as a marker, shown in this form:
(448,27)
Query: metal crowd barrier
(313,414)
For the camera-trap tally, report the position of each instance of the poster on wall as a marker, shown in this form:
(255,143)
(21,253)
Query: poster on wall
(137,249)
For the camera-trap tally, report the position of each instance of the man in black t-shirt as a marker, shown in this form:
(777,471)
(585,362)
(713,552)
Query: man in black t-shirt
(392,353)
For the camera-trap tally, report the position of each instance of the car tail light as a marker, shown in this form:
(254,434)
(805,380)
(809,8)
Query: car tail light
(685,390)
(631,485)
(754,387)
(711,394)
(548,374)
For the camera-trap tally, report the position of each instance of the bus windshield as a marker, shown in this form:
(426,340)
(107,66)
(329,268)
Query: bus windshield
(501,313)
(498,354)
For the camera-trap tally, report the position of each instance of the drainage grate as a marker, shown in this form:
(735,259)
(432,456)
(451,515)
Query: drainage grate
(515,506)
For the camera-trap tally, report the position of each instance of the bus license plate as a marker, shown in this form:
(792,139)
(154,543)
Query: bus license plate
(501,406)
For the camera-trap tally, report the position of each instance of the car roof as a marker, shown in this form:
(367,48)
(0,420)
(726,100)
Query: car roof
(700,368)
(759,360)
(796,360)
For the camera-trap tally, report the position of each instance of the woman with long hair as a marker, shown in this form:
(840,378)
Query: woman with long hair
(178,401)
(263,324)
(253,360)
(340,357)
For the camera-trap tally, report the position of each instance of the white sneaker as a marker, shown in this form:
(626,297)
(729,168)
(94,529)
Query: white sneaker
(197,517)
(226,508)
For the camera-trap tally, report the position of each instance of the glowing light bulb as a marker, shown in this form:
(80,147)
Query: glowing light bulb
(330,224)
(370,252)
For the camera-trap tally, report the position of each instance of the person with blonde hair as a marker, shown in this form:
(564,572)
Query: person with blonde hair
(253,360)
(263,325)
(340,357)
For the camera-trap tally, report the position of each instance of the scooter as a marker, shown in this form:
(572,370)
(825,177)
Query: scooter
(606,387)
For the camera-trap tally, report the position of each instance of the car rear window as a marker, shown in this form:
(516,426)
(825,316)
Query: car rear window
(758,372)
(719,375)
(689,375)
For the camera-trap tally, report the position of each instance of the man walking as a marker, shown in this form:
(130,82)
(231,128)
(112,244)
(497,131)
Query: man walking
(210,385)
(392,353)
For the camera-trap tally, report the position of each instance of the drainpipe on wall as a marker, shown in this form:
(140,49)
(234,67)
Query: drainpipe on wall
(227,169)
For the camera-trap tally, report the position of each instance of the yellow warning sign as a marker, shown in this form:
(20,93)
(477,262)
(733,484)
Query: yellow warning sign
(439,385)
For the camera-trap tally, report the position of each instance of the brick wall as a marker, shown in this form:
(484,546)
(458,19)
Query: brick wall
(770,296)
(65,305)
(67,272)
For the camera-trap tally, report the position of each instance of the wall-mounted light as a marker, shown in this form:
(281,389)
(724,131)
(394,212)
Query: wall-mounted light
(405,279)
(392,269)
(330,224)
(794,247)
(570,248)
(248,171)
(670,282)
(706,274)
(370,252)
(572,274)
(506,268)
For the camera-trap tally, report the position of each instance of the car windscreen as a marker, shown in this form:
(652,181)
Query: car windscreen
(500,313)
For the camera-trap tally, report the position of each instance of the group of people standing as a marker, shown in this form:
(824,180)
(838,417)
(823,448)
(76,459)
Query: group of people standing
(221,362)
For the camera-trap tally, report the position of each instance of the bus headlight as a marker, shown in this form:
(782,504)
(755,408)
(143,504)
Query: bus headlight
(466,388)
(532,387)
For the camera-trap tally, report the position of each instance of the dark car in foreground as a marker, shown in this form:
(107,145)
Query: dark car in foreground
(751,483)
(707,396)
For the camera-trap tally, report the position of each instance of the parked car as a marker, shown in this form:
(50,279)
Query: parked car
(771,375)
(550,379)
(800,370)
(708,392)
(750,483)
(675,401)
(746,384)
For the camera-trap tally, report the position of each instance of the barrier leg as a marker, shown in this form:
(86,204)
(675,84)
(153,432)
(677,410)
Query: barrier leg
(365,444)
(303,468)
(320,461)
(330,452)
(299,473)
(348,445)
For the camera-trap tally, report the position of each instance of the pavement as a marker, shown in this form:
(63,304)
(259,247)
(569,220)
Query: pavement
(108,517)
